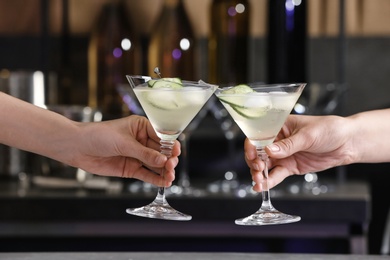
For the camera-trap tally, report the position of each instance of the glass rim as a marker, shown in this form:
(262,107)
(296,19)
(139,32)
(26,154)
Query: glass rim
(258,86)
(186,83)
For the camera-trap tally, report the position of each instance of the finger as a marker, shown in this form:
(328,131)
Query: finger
(155,145)
(146,155)
(256,165)
(168,178)
(172,163)
(250,150)
(257,178)
(156,179)
(168,173)
(288,146)
(169,165)
(176,151)
(276,176)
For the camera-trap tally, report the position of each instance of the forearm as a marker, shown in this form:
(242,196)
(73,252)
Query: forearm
(30,128)
(371,136)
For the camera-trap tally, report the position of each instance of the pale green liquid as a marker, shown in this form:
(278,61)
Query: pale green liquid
(170,110)
(262,130)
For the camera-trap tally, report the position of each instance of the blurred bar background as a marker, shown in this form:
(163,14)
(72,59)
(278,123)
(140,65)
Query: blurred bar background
(345,63)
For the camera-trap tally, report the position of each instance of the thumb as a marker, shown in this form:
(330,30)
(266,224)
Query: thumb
(286,147)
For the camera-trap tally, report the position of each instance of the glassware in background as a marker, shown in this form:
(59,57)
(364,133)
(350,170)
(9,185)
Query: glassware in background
(184,187)
(260,111)
(320,99)
(169,110)
(112,53)
(230,129)
(228,41)
(172,42)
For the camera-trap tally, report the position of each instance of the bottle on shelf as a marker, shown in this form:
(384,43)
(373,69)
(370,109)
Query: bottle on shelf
(112,53)
(228,41)
(286,41)
(172,43)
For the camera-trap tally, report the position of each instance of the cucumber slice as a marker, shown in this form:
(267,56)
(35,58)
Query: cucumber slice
(174,83)
(251,112)
(239,89)
(166,100)
(232,101)
(229,97)
(246,106)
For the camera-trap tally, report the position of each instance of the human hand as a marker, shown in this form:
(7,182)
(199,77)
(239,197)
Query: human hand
(127,147)
(304,144)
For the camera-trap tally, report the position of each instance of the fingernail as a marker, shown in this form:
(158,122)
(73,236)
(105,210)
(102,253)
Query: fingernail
(256,166)
(273,148)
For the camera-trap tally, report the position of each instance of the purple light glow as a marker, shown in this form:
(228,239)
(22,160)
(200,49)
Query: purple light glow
(176,54)
(132,105)
(290,15)
(117,52)
(232,11)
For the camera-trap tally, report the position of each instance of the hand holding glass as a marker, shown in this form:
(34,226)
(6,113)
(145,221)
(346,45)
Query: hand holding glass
(261,113)
(169,110)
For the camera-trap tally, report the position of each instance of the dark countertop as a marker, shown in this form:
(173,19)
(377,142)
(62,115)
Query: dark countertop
(37,219)
(181,256)
(352,201)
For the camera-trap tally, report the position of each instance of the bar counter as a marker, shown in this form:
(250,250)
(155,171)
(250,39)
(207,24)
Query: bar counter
(37,219)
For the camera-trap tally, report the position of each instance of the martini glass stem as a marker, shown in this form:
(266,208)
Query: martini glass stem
(166,149)
(160,198)
(267,214)
(266,204)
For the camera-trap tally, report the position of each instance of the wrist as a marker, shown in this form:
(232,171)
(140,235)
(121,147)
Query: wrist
(352,139)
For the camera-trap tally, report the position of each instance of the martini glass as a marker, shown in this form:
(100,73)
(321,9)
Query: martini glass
(169,110)
(260,115)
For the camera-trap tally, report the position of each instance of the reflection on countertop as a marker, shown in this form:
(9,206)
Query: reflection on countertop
(91,219)
(181,256)
(203,200)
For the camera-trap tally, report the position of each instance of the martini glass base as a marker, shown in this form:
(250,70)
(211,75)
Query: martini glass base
(159,211)
(272,217)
